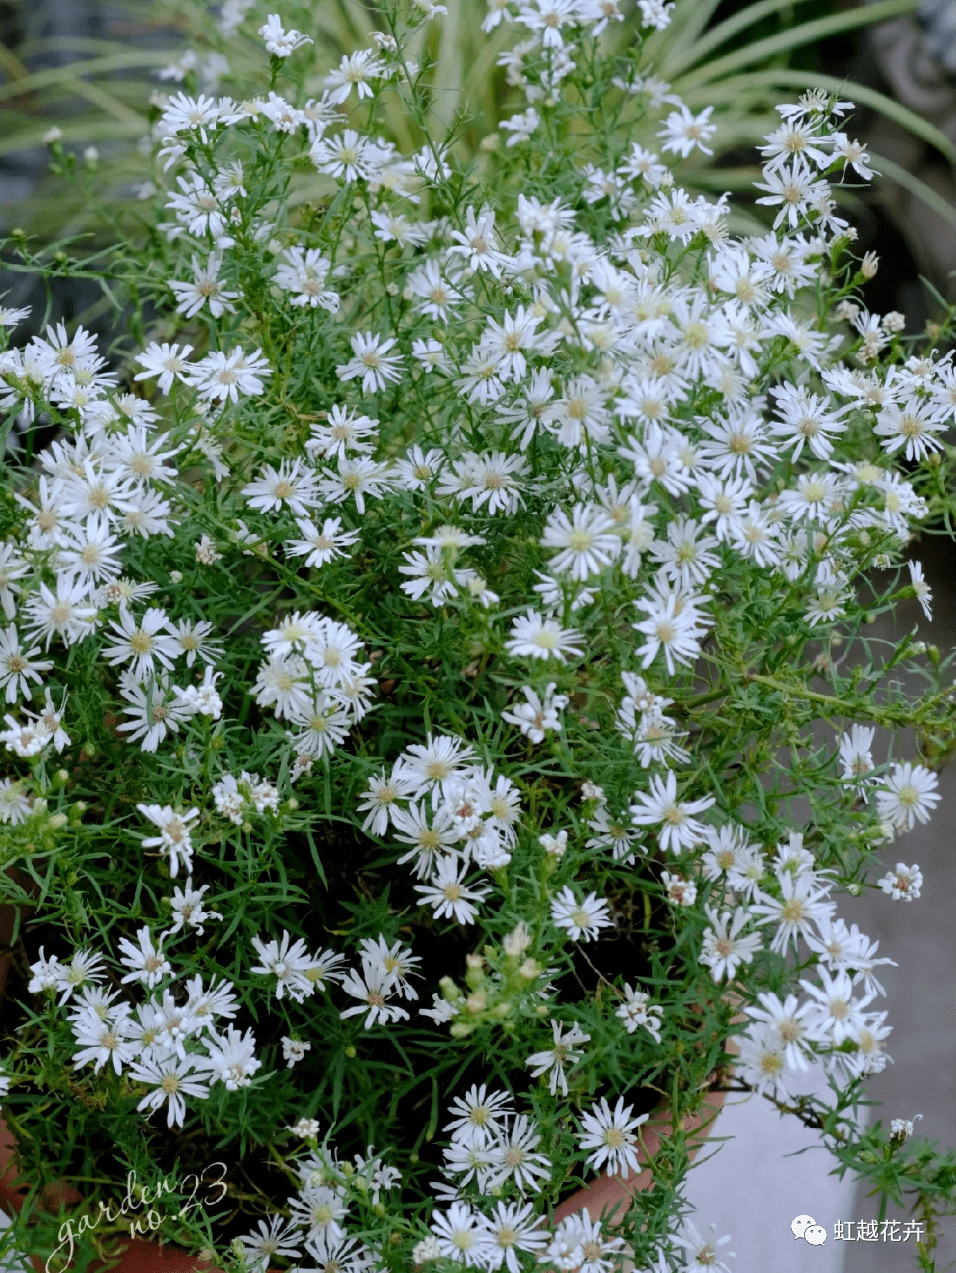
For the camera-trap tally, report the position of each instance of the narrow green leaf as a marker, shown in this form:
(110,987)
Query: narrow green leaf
(66,76)
(721,33)
(796,37)
(942,207)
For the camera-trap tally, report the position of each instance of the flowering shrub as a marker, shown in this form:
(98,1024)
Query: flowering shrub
(412,619)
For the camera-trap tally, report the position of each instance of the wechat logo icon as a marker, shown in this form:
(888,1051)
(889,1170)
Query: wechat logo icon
(807,1228)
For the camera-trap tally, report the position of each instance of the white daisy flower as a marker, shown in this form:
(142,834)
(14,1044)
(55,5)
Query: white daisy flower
(582,921)
(907,795)
(610,1135)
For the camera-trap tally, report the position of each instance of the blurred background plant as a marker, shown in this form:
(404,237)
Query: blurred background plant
(89,68)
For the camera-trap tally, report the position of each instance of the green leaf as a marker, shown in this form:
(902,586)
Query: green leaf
(720,34)
(796,37)
(929,196)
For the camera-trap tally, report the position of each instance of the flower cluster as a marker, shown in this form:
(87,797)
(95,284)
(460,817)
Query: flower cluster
(518,520)
(174,1047)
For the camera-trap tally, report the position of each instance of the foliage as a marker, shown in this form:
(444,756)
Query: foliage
(438,661)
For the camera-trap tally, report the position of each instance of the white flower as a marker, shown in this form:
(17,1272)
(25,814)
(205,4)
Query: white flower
(671,626)
(536,716)
(426,1251)
(546,18)
(907,795)
(197,206)
(279,42)
(902,1128)
(277,1237)
(155,710)
(103,1041)
(915,427)
(354,71)
(290,486)
(18,665)
(537,636)
(323,726)
(905,882)
(655,13)
(513,1157)
(321,545)
(723,948)
(341,431)
(478,243)
(189,909)
(834,1011)
(856,757)
(679,828)
(448,895)
(171,1080)
(168,362)
(521,126)
(513,1228)
(803,902)
(380,797)
(491,481)
(582,921)
(303,272)
(348,157)
(702,1253)
(231,1058)
(222,377)
(637,1010)
(789,1026)
(922,589)
(611,1136)
(678,890)
(460,1235)
(372,361)
(147,961)
(562,1052)
(306,1128)
(202,699)
(24,740)
(205,288)
(373,988)
(429,838)
(479,1115)
(682,131)
(588,541)
(143,642)
(66,613)
(358,477)
(287,961)
(174,837)
(805,420)
(293,1050)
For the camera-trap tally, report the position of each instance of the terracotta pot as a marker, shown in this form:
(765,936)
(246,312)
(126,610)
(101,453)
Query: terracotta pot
(611,1195)
(608,1195)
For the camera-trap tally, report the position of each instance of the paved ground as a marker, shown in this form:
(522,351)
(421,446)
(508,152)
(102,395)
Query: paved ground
(921,937)
(751,1189)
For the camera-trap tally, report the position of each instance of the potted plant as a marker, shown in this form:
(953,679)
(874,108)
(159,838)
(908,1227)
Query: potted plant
(430,741)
